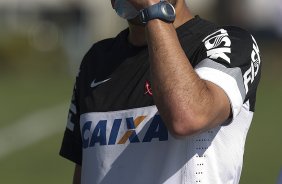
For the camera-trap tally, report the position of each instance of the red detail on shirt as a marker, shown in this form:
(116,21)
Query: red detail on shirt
(148,89)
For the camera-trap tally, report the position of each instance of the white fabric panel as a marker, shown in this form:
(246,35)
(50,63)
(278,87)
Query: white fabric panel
(227,83)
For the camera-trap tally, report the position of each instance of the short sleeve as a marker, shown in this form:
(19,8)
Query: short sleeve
(71,147)
(231,60)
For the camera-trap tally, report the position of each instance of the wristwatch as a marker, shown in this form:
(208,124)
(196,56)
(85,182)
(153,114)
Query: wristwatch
(162,10)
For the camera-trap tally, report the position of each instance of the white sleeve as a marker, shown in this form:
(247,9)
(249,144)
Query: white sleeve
(229,79)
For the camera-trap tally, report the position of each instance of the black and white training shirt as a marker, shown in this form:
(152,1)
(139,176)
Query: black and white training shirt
(114,130)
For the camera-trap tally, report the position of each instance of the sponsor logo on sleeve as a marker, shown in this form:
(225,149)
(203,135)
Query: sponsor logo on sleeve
(72,113)
(218,45)
(252,72)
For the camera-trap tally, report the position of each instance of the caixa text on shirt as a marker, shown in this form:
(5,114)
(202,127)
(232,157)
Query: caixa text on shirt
(122,131)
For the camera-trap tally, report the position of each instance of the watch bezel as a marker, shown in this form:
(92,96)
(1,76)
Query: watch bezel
(164,5)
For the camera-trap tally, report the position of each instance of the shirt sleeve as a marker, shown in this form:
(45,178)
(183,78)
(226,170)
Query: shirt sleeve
(71,147)
(231,60)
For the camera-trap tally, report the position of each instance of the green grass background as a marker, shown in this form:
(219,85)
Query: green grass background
(36,82)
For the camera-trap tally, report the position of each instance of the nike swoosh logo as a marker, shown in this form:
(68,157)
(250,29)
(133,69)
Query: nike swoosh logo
(94,84)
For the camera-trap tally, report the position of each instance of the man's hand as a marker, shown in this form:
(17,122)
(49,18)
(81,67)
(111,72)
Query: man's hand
(141,4)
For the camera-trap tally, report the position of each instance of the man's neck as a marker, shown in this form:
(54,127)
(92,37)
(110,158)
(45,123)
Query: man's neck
(137,35)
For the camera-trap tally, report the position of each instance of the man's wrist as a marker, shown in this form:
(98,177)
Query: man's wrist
(158,24)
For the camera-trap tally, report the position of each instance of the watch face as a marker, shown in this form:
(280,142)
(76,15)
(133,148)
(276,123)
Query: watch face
(168,10)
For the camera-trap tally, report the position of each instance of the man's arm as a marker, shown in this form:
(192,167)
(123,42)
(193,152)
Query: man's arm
(77,174)
(187,104)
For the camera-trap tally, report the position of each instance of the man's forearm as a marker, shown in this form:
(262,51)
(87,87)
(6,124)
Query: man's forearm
(183,99)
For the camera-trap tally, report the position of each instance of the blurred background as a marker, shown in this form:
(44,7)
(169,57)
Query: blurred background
(41,46)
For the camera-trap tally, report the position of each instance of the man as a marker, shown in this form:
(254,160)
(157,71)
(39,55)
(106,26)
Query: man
(169,100)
